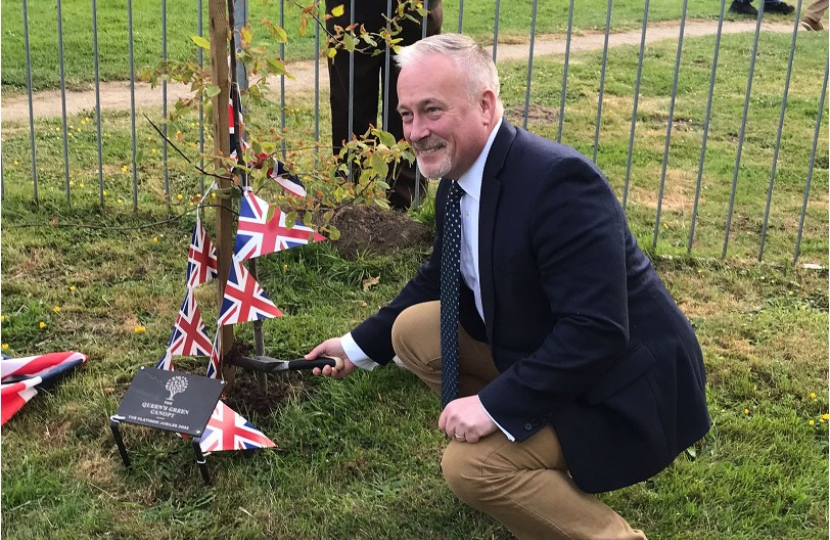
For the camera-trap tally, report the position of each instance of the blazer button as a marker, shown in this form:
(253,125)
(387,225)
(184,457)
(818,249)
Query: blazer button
(528,427)
(536,422)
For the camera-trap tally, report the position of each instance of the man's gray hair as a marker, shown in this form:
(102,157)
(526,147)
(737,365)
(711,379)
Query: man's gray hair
(471,59)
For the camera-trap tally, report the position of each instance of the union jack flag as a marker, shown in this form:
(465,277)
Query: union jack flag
(201,257)
(21,377)
(166,361)
(289,182)
(14,395)
(244,299)
(256,236)
(227,430)
(189,336)
(213,364)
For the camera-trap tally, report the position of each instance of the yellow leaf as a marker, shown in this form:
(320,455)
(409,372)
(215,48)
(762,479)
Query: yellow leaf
(338,11)
(371,282)
(332,52)
(201,42)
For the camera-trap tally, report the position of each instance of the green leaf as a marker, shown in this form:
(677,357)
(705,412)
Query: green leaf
(384,137)
(212,91)
(271,211)
(201,42)
(348,42)
(334,234)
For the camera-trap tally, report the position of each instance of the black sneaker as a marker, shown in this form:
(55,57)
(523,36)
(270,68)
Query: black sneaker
(743,8)
(780,7)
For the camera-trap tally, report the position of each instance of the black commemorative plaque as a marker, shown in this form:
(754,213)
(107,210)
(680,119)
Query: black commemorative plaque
(170,400)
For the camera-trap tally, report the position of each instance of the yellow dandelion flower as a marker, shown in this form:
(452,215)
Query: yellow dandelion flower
(105,193)
(5,346)
(746,411)
(155,239)
(120,201)
(42,325)
(81,185)
(699,271)
(812,395)
(56,309)
(124,168)
(72,288)
(811,423)
(2,318)
(70,134)
(139,330)
(285,267)
(803,308)
(179,197)
(153,151)
(16,162)
(71,183)
(825,417)
(789,293)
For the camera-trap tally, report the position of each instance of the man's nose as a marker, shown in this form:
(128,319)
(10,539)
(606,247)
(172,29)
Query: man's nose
(418,129)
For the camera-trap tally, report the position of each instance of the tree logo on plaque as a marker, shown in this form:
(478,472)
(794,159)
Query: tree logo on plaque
(176,385)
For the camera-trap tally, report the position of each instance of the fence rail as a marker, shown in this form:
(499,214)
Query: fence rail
(623,90)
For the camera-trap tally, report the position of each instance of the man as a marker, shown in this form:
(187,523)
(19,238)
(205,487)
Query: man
(577,373)
(369,70)
(811,21)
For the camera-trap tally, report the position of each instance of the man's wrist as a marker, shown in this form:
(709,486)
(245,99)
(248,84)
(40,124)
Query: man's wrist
(356,354)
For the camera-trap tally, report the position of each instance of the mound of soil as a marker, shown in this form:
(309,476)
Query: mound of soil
(383,232)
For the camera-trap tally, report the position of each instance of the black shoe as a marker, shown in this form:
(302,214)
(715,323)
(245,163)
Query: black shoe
(742,8)
(780,7)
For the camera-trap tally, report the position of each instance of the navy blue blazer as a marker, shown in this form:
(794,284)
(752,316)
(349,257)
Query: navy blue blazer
(583,332)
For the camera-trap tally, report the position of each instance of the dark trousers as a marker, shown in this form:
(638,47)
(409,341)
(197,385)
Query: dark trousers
(368,84)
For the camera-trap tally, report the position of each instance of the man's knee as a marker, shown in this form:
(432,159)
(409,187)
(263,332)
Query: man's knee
(413,326)
(469,475)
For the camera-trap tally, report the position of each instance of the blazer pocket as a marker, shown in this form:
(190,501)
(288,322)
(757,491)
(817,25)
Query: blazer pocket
(625,371)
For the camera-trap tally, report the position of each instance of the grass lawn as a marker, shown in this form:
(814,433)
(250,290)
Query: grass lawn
(358,459)
(182,22)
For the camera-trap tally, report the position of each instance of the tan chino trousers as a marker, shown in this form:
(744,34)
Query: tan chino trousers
(524,486)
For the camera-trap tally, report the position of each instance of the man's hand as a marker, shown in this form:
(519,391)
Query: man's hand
(332,347)
(465,420)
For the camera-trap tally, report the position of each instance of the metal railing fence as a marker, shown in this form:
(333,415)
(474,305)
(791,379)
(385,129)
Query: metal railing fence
(778,132)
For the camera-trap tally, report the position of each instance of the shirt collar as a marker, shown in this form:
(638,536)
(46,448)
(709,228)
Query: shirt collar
(470,181)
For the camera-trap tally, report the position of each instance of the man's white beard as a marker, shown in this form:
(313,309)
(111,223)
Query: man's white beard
(439,170)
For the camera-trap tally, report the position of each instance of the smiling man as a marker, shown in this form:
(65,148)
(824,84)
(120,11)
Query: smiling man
(564,366)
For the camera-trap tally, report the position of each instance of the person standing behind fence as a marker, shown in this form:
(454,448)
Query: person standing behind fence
(369,75)
(811,21)
(744,7)
(564,366)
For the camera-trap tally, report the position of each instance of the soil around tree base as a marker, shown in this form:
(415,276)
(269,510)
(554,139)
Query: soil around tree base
(381,232)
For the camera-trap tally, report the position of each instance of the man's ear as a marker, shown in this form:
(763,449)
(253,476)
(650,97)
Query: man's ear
(487,104)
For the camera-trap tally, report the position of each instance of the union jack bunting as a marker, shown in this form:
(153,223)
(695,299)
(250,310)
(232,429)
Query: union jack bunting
(21,376)
(189,336)
(255,236)
(213,364)
(227,430)
(289,182)
(244,299)
(14,395)
(166,361)
(201,257)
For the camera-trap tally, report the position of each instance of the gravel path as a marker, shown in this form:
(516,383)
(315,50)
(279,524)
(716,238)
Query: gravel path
(116,95)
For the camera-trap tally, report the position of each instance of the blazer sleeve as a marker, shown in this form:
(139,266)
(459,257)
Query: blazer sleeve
(374,335)
(578,240)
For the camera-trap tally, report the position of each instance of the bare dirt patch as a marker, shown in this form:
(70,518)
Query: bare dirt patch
(364,228)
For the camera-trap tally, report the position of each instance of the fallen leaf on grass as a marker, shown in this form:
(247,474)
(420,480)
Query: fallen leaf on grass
(371,282)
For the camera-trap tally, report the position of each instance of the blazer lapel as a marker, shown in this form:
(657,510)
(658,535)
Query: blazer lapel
(490,189)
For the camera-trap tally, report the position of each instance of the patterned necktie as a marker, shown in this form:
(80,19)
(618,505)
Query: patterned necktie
(450,282)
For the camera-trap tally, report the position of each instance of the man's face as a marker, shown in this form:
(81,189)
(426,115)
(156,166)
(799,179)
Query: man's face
(446,129)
